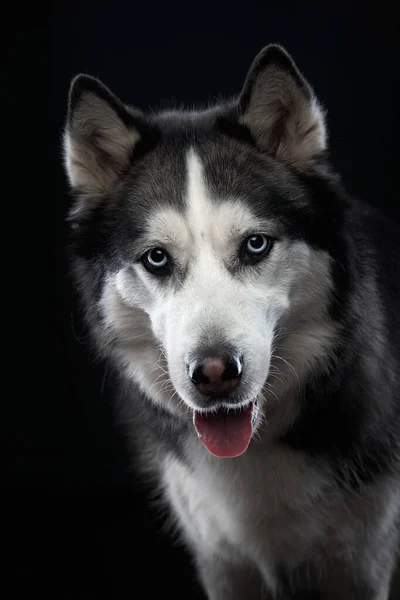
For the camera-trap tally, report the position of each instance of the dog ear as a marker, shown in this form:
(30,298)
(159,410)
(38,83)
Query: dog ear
(279,107)
(100,135)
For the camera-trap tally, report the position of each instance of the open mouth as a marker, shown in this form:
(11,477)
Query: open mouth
(226,433)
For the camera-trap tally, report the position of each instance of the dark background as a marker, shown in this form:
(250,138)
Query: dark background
(75,523)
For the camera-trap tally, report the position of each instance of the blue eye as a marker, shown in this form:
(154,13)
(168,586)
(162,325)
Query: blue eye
(258,245)
(155,260)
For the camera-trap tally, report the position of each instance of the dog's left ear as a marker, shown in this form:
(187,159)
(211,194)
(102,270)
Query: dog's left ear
(279,107)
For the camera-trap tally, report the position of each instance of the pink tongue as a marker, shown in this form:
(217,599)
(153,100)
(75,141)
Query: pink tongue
(226,434)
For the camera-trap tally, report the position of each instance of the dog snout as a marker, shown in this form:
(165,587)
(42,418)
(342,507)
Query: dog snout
(216,374)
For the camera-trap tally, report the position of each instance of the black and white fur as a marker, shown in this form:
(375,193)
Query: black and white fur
(313,506)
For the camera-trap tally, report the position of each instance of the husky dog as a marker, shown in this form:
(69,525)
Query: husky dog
(252,310)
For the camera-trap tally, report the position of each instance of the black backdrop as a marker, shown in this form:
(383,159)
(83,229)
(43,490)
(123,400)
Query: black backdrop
(79,525)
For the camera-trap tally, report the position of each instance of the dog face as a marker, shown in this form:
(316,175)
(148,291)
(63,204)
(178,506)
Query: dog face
(197,239)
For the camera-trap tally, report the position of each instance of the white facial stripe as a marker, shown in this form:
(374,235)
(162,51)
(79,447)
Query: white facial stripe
(198,204)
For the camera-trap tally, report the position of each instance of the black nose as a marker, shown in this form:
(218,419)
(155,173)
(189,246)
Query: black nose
(216,374)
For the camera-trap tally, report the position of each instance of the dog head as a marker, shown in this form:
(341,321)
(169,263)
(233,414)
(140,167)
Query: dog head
(202,240)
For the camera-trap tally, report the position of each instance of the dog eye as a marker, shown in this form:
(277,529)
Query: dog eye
(156,260)
(257,245)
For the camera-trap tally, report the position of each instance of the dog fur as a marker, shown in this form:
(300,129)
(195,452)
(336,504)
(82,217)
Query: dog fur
(312,508)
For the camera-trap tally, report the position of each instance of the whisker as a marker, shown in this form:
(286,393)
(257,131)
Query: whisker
(276,377)
(155,383)
(269,390)
(132,338)
(289,365)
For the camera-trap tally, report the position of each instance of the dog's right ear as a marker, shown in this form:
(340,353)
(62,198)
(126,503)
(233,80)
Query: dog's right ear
(99,137)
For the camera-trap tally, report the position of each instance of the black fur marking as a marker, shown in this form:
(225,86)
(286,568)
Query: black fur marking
(235,130)
(150,137)
(327,230)
(333,425)
(92,234)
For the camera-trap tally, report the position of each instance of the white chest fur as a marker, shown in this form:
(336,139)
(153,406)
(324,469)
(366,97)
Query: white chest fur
(266,503)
